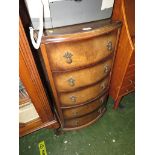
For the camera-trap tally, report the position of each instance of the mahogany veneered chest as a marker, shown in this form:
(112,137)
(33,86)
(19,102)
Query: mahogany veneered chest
(78,61)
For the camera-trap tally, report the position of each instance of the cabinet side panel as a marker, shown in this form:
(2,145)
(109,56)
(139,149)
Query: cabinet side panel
(50,78)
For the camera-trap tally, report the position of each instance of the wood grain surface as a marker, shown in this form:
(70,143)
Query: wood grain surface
(84,109)
(78,65)
(83,53)
(85,94)
(94,74)
(76,122)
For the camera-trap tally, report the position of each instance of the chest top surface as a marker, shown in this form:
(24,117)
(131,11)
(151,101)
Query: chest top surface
(80,31)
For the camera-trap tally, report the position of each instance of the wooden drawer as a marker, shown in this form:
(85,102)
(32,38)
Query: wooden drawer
(70,81)
(84,109)
(77,122)
(84,95)
(69,55)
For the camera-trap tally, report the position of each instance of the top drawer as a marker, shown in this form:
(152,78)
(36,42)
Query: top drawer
(75,54)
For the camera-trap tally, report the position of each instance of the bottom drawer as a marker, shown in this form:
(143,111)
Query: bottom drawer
(84,109)
(85,120)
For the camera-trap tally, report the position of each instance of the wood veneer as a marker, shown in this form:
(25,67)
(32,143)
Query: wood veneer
(79,75)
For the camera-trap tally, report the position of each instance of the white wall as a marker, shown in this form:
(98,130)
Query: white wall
(34,7)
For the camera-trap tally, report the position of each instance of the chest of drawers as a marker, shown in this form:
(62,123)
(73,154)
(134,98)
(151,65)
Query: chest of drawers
(78,61)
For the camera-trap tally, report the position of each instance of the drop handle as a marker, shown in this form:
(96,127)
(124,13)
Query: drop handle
(76,123)
(106,69)
(100,110)
(75,113)
(68,57)
(109,46)
(71,82)
(101,100)
(73,99)
(103,86)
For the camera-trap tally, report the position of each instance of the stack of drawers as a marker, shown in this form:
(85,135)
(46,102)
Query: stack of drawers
(78,61)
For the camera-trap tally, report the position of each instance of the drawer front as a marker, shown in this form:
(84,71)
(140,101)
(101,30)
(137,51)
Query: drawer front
(76,122)
(70,81)
(84,109)
(69,55)
(84,95)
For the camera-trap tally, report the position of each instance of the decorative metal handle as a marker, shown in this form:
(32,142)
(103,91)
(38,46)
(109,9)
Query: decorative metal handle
(100,110)
(71,82)
(75,113)
(106,69)
(76,122)
(68,57)
(109,46)
(103,86)
(73,99)
(102,100)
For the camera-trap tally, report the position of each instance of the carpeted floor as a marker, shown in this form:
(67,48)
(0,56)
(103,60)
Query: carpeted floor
(113,134)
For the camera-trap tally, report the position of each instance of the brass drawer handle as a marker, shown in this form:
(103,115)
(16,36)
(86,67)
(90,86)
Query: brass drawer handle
(73,99)
(109,46)
(103,86)
(76,123)
(102,100)
(100,110)
(71,82)
(68,57)
(106,69)
(75,113)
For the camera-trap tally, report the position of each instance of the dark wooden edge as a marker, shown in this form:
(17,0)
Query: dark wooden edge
(117,41)
(81,36)
(85,125)
(36,125)
(51,81)
(87,102)
(83,67)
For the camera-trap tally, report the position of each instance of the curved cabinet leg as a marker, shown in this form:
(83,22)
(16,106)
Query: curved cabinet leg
(116,102)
